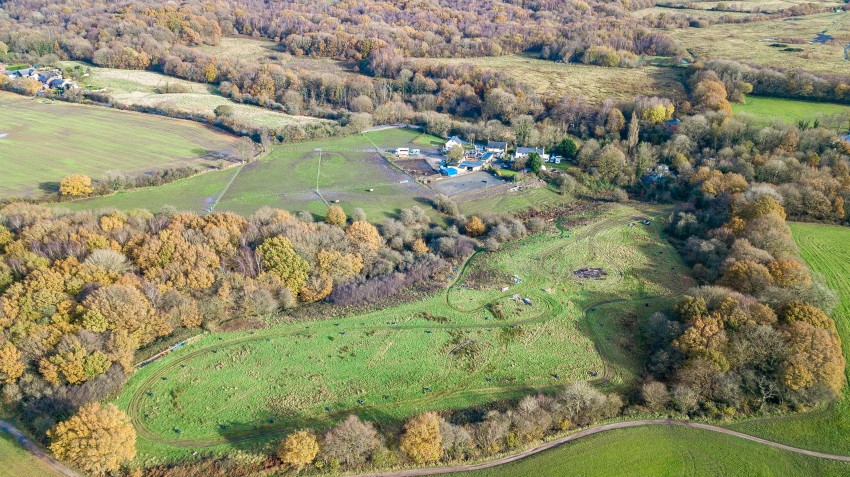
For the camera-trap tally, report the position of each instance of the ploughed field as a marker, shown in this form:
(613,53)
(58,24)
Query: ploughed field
(512,322)
(43,141)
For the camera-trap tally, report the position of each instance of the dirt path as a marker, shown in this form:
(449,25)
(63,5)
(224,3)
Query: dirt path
(596,430)
(36,450)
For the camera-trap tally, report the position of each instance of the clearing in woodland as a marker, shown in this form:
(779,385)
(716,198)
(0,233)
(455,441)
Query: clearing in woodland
(45,141)
(767,110)
(477,342)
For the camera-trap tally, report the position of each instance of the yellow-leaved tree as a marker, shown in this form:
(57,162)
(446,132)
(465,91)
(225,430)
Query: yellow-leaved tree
(336,216)
(98,439)
(298,449)
(11,365)
(422,440)
(76,185)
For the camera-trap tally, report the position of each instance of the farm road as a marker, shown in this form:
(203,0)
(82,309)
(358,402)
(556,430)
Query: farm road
(36,450)
(596,430)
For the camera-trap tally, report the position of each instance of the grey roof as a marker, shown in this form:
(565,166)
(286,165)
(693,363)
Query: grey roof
(529,150)
(496,145)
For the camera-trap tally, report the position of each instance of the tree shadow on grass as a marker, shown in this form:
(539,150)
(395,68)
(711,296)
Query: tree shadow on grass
(51,187)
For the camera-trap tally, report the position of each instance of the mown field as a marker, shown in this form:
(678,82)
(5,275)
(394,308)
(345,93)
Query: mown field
(468,345)
(767,110)
(824,247)
(149,89)
(17,462)
(344,170)
(595,83)
(665,451)
(42,142)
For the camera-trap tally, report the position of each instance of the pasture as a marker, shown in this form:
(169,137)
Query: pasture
(824,247)
(766,110)
(665,451)
(470,344)
(46,141)
(17,462)
(151,90)
(287,178)
(595,83)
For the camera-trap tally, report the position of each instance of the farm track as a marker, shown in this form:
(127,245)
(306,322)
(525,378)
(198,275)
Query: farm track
(596,430)
(533,288)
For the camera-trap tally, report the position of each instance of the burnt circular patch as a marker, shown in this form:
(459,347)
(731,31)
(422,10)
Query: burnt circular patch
(591,273)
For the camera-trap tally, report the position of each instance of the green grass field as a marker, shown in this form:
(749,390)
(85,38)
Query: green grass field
(665,451)
(475,345)
(287,179)
(17,462)
(767,110)
(824,248)
(142,88)
(42,142)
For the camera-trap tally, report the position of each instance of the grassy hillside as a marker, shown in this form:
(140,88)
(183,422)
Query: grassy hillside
(665,451)
(468,345)
(41,142)
(824,247)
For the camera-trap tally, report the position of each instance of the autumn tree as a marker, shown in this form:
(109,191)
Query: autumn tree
(98,439)
(11,364)
(365,234)
(280,260)
(421,440)
(474,226)
(420,247)
(298,449)
(710,94)
(76,185)
(336,216)
(340,266)
(351,442)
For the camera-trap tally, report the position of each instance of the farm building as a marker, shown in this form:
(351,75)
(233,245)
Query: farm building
(523,152)
(452,142)
(49,79)
(402,152)
(672,124)
(471,166)
(449,171)
(496,147)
